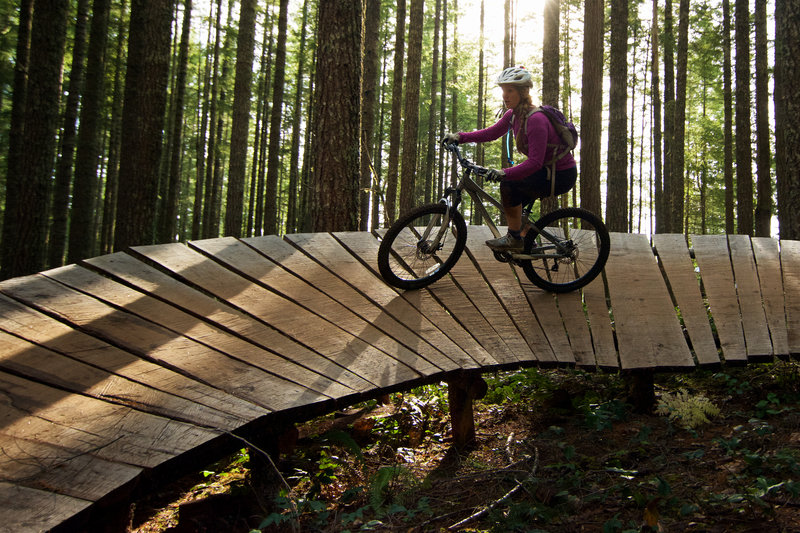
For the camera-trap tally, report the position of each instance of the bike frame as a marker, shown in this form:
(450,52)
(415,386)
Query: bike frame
(454,195)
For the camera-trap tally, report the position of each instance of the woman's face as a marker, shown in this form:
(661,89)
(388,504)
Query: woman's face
(510,96)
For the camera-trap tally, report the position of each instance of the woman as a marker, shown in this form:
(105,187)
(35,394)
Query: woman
(536,138)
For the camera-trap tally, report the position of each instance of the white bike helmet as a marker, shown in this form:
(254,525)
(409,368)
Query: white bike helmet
(515,76)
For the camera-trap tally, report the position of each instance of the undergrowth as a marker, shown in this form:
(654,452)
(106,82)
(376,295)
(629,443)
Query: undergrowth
(556,451)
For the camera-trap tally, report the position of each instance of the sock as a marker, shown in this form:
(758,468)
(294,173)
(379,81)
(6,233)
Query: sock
(517,234)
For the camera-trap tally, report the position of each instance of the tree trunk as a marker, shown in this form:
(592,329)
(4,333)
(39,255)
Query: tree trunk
(727,97)
(665,221)
(242,91)
(744,156)
(397,110)
(617,203)
(550,74)
(115,133)
(273,159)
(411,112)
(763,212)
(661,212)
(337,107)
(294,159)
(787,109)
(143,121)
(90,139)
(369,103)
(63,178)
(27,190)
(169,206)
(679,132)
(550,53)
(591,105)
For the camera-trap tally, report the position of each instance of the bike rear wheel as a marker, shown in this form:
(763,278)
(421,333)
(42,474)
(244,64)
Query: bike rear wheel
(408,257)
(578,257)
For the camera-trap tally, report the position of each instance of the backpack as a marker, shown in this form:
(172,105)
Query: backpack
(567,132)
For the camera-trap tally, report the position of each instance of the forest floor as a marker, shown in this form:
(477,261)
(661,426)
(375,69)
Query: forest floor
(556,451)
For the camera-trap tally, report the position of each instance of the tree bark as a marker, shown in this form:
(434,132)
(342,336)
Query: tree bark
(744,156)
(679,132)
(617,203)
(591,105)
(411,112)
(727,104)
(273,157)
(665,221)
(787,109)
(369,103)
(294,160)
(169,206)
(28,189)
(337,106)
(655,88)
(763,211)
(63,177)
(242,91)
(397,111)
(81,232)
(143,121)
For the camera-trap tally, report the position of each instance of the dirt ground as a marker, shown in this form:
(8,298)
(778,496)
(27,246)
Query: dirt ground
(555,451)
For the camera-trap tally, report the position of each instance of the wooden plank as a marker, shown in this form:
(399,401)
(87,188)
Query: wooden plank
(598,312)
(503,279)
(365,247)
(570,306)
(322,247)
(716,274)
(157,343)
(673,252)
(35,510)
(37,363)
(475,287)
(38,413)
(748,290)
(790,265)
(768,264)
(452,297)
(544,305)
(59,470)
(328,339)
(248,262)
(648,330)
(146,278)
(315,275)
(190,326)
(58,337)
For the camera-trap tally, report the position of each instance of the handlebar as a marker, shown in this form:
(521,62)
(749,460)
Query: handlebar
(452,147)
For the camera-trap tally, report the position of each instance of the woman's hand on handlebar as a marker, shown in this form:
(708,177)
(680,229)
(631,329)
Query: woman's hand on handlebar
(494,175)
(451,138)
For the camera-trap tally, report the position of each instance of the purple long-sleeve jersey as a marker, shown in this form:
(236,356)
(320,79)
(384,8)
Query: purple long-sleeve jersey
(542,137)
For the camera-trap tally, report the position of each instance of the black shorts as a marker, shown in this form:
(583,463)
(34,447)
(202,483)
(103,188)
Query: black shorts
(535,186)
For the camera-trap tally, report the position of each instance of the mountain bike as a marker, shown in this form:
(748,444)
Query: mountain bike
(563,250)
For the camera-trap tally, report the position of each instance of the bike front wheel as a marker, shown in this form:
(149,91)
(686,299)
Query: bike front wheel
(570,249)
(422,246)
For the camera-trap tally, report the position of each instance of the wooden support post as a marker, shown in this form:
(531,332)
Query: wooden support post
(641,390)
(460,393)
(263,470)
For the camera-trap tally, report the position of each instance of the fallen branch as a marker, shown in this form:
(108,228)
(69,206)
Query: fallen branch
(486,510)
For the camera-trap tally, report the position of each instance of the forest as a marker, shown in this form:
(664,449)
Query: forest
(131,122)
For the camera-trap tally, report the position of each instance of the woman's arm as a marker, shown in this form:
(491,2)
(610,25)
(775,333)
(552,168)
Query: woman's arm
(489,134)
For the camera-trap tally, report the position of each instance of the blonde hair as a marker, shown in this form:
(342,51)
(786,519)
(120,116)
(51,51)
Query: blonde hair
(521,114)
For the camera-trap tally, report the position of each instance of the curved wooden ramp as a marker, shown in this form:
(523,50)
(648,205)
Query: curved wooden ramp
(142,363)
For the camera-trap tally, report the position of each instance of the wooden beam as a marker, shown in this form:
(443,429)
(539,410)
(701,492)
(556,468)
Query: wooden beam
(461,391)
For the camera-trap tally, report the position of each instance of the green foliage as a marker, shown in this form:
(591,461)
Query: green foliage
(690,411)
